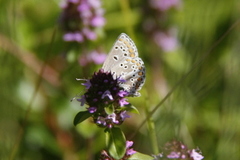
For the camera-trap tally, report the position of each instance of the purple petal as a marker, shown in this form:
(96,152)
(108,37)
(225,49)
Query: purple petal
(78,37)
(98,21)
(130,152)
(113,117)
(87,84)
(82,100)
(129,144)
(68,37)
(108,94)
(123,102)
(92,109)
(86,15)
(98,58)
(89,34)
(99,12)
(124,115)
(101,120)
(121,80)
(122,93)
(174,155)
(83,7)
(195,155)
(95,3)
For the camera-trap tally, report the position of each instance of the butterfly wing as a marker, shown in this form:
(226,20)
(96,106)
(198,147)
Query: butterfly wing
(123,48)
(123,61)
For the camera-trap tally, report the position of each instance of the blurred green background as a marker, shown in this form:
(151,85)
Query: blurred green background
(39,71)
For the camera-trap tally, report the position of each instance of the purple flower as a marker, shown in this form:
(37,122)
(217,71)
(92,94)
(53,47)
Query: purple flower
(123,102)
(92,57)
(92,109)
(121,80)
(129,144)
(157,24)
(107,93)
(82,100)
(98,58)
(173,155)
(95,3)
(166,41)
(73,37)
(87,84)
(98,21)
(84,7)
(177,150)
(113,118)
(101,121)
(104,93)
(195,154)
(89,34)
(78,15)
(122,93)
(124,115)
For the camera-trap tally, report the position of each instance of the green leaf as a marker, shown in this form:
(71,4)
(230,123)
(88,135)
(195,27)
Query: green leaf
(81,116)
(140,156)
(131,108)
(116,142)
(109,109)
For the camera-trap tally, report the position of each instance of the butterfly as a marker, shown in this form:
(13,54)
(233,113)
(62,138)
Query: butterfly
(123,61)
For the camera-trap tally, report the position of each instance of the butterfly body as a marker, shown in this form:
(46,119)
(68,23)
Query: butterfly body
(123,62)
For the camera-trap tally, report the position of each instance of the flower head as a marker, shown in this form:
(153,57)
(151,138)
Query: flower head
(105,99)
(80,18)
(177,150)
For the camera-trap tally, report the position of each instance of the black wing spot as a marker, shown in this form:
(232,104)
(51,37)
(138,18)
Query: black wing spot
(115,58)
